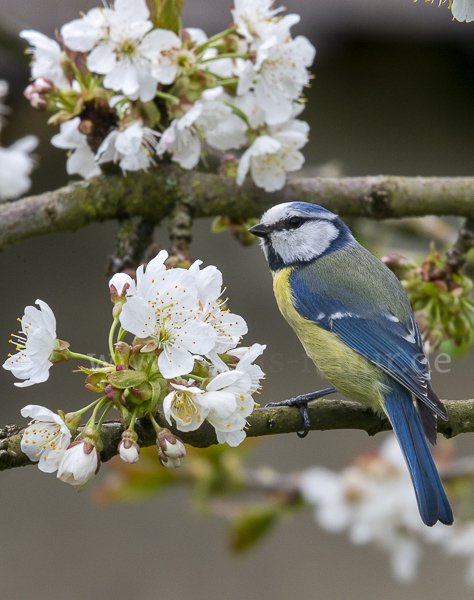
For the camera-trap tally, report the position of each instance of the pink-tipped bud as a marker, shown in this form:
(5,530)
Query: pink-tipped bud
(118,287)
(170,449)
(35,93)
(128,448)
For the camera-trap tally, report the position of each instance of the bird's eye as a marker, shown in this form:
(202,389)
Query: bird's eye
(295,222)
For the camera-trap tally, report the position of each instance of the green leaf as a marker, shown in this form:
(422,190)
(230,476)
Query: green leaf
(251,526)
(126,378)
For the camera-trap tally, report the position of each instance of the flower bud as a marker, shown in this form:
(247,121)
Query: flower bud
(86,127)
(128,448)
(35,92)
(118,287)
(79,465)
(170,449)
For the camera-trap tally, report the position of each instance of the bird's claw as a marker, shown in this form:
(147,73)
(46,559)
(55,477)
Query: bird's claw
(301,402)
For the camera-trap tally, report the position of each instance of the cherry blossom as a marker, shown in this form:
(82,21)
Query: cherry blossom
(35,344)
(16,164)
(273,155)
(46,438)
(186,405)
(81,160)
(47,58)
(131,148)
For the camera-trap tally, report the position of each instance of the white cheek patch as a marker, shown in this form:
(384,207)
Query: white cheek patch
(306,243)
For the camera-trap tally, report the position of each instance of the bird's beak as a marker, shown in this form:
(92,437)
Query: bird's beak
(260,230)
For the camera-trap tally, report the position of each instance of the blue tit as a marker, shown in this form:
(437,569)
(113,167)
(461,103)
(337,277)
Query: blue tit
(355,322)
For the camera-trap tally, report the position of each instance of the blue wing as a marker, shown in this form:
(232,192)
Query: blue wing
(394,346)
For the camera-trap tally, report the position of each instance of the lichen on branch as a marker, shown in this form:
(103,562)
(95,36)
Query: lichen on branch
(155,194)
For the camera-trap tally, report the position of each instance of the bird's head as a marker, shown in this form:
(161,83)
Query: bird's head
(296,233)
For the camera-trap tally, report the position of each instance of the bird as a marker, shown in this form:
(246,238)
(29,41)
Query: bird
(355,322)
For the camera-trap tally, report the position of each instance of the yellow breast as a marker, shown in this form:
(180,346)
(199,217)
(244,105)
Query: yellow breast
(350,373)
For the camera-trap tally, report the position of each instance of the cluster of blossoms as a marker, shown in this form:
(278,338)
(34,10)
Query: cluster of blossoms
(125,87)
(184,356)
(16,162)
(374,501)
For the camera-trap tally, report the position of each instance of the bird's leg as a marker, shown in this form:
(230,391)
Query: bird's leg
(302,403)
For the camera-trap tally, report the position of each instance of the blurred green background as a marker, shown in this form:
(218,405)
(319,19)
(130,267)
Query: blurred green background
(393,94)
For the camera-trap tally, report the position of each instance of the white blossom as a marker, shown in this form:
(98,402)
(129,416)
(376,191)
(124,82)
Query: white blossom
(47,58)
(209,120)
(131,148)
(163,308)
(460,542)
(35,344)
(46,438)
(228,327)
(119,42)
(16,165)
(81,161)
(230,402)
(83,34)
(280,70)
(251,15)
(181,140)
(463,10)
(375,502)
(229,396)
(79,464)
(273,155)
(187,406)
(166,55)
(146,279)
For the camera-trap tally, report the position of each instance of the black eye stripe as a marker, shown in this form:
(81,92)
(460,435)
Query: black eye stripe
(286,226)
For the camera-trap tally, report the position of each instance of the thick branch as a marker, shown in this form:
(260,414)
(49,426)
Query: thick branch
(153,196)
(325,414)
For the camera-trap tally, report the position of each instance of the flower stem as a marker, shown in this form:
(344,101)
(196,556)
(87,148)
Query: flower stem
(100,404)
(224,82)
(122,333)
(86,357)
(87,408)
(225,55)
(153,422)
(195,377)
(111,338)
(169,97)
(104,414)
(131,427)
(239,113)
(214,38)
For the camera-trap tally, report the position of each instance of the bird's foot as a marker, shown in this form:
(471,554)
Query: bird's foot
(302,403)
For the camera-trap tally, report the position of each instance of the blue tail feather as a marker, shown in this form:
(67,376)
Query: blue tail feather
(432,501)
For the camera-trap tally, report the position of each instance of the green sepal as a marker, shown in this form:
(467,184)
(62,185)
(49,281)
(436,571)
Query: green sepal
(122,353)
(160,391)
(126,378)
(96,382)
(142,361)
(140,393)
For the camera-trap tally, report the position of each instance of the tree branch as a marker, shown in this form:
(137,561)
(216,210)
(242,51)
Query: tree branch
(153,196)
(325,414)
